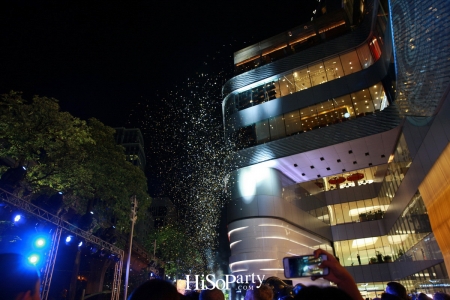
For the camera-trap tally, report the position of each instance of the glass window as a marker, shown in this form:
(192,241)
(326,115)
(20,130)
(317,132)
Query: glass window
(325,111)
(245,99)
(333,68)
(293,123)
(350,62)
(339,217)
(375,48)
(287,85)
(262,132)
(362,103)
(317,74)
(271,91)
(244,137)
(277,128)
(377,93)
(301,79)
(365,57)
(309,118)
(345,107)
(258,95)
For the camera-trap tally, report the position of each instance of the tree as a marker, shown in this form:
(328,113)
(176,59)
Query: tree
(64,153)
(178,251)
(49,142)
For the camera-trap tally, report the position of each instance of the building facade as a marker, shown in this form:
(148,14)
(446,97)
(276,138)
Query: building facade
(340,129)
(133,142)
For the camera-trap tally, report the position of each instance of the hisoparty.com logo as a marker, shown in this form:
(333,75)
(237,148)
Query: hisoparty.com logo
(210,282)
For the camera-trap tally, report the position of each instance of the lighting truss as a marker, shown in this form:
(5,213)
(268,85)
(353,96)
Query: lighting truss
(50,264)
(64,225)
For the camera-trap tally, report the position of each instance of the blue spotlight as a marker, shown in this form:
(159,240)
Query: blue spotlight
(33,258)
(40,242)
(80,244)
(17,218)
(68,239)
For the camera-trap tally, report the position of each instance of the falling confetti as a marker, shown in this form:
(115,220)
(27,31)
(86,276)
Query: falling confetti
(186,150)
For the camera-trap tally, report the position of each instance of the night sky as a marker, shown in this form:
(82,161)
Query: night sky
(100,57)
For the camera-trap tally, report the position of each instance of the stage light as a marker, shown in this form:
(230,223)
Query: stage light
(17,218)
(68,239)
(40,242)
(33,258)
(80,244)
(91,212)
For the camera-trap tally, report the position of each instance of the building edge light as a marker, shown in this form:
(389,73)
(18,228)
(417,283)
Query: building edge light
(236,229)
(251,261)
(282,226)
(234,243)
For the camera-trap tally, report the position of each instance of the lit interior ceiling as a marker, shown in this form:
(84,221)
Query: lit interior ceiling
(358,154)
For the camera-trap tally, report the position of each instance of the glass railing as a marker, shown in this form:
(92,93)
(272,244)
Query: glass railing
(362,103)
(306,77)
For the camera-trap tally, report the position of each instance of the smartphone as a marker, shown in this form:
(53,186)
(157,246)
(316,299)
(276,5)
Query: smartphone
(304,266)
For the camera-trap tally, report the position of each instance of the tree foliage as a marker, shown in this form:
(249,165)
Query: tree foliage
(64,153)
(178,251)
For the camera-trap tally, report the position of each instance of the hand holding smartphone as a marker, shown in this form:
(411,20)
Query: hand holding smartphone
(304,266)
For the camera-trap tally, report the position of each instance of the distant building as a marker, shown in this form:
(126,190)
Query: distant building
(133,142)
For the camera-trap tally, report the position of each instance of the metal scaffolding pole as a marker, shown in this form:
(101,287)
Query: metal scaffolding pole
(133,218)
(50,264)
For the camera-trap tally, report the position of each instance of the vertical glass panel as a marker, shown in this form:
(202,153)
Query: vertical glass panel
(301,79)
(230,105)
(333,68)
(344,107)
(339,214)
(365,57)
(350,215)
(307,116)
(270,90)
(293,123)
(277,129)
(345,210)
(346,254)
(350,63)
(362,103)
(377,93)
(332,209)
(245,99)
(244,137)
(262,132)
(375,48)
(326,113)
(258,95)
(317,74)
(287,85)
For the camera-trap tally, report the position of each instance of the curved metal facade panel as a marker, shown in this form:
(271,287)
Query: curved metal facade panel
(258,245)
(257,192)
(307,56)
(422,38)
(382,121)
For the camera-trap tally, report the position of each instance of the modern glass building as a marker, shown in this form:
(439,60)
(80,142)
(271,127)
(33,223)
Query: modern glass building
(340,129)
